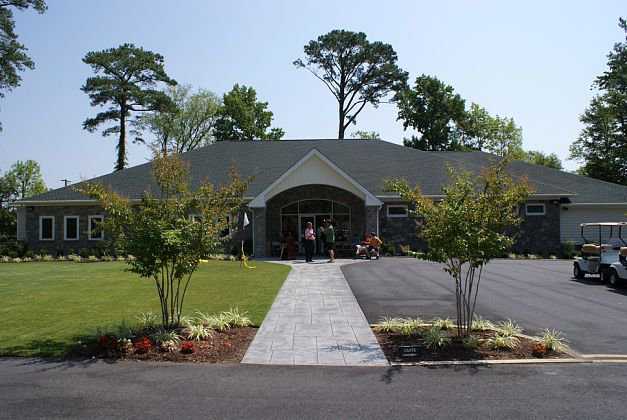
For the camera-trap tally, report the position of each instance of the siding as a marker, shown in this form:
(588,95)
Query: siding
(572,216)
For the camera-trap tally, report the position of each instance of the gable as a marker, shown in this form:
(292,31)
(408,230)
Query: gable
(314,169)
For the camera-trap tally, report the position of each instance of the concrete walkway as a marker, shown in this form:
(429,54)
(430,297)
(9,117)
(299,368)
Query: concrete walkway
(315,320)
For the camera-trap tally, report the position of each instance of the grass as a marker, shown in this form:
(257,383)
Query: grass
(45,308)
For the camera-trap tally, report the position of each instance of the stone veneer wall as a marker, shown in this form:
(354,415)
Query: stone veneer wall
(308,192)
(539,234)
(398,231)
(58,245)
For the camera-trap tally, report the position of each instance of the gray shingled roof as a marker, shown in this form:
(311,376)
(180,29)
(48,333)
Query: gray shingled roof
(368,162)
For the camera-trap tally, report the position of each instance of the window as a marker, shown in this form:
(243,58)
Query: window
(95,231)
(397,210)
(535,209)
(46,228)
(70,228)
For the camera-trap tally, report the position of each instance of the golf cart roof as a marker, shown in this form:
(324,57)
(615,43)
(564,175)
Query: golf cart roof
(623,224)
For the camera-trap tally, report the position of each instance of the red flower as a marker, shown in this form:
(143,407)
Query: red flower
(107,342)
(187,347)
(142,345)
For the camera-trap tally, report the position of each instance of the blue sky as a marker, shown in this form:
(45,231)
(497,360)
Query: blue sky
(532,60)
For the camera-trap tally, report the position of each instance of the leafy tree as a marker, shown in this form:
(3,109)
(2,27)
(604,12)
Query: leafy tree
(356,71)
(27,179)
(13,56)
(433,109)
(366,135)
(189,125)
(125,82)
(8,194)
(468,228)
(160,233)
(539,158)
(242,117)
(494,134)
(602,144)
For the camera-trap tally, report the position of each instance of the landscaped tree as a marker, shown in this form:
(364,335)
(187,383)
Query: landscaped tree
(13,56)
(169,234)
(27,179)
(434,110)
(602,144)
(189,125)
(356,71)
(366,135)
(126,80)
(243,117)
(471,225)
(8,194)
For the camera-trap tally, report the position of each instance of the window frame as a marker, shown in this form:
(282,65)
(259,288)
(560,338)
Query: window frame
(397,206)
(527,213)
(41,219)
(90,236)
(78,228)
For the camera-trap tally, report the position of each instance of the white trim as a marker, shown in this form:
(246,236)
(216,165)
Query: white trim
(535,204)
(396,216)
(594,205)
(260,200)
(41,218)
(89,219)
(78,229)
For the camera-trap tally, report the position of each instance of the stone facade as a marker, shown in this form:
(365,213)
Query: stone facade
(398,231)
(539,234)
(59,245)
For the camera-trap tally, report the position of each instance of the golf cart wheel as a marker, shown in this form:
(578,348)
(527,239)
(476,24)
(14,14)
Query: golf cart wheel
(577,272)
(612,278)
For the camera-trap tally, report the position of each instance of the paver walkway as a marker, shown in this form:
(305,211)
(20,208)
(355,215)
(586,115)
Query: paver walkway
(315,320)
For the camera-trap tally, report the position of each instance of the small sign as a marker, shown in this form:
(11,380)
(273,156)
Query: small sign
(408,351)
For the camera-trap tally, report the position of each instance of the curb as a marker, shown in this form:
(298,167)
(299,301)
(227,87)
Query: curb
(511,362)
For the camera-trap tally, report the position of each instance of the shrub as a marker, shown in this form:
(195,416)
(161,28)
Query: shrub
(84,252)
(508,328)
(92,258)
(120,258)
(27,259)
(142,345)
(48,258)
(108,342)
(480,324)
(235,318)
(568,250)
(187,347)
(553,340)
(197,332)
(470,342)
(29,254)
(162,336)
(435,339)
(503,342)
(5,259)
(552,257)
(107,258)
(70,251)
(17,260)
(389,325)
(409,326)
(443,324)
(147,320)
(168,346)
(75,258)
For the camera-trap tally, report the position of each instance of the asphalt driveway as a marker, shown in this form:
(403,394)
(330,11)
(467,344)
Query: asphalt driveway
(537,294)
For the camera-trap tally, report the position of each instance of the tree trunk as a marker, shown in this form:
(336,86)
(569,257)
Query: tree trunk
(340,133)
(122,141)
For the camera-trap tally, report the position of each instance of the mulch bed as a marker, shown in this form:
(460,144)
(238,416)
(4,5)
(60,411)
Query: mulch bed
(221,347)
(391,342)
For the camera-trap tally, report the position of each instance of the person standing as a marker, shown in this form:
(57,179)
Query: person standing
(310,242)
(321,240)
(329,240)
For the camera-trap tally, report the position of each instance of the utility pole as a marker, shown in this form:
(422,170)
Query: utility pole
(66,181)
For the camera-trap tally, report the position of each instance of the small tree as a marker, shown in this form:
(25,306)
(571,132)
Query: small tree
(470,226)
(27,178)
(169,234)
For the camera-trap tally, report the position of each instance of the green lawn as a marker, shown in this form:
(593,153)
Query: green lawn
(47,307)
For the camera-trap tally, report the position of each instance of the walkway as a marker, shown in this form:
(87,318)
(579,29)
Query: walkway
(315,320)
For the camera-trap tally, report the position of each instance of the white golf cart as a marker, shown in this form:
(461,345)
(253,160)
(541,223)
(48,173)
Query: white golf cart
(609,259)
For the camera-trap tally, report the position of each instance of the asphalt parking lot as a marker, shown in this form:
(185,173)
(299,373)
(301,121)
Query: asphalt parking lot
(537,294)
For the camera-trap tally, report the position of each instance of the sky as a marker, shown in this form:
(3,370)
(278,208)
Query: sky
(532,60)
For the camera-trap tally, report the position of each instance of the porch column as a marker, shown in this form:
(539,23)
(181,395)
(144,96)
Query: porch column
(372,219)
(259,231)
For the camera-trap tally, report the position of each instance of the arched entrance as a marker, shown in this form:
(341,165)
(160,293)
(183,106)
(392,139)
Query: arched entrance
(289,211)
